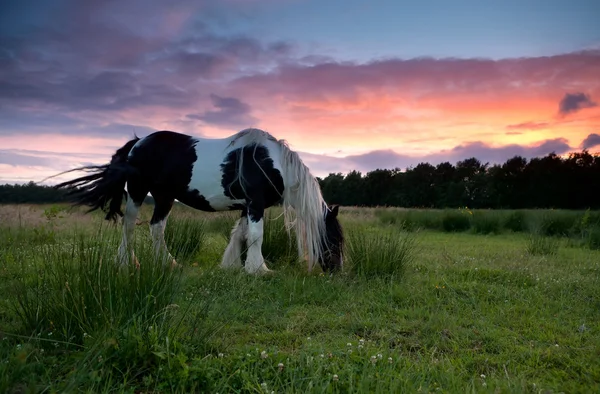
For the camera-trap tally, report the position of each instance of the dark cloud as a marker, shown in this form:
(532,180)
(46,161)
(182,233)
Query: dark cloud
(109,55)
(557,145)
(230,111)
(23,122)
(590,141)
(573,102)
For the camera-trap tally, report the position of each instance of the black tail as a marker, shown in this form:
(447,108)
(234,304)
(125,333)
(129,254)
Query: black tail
(105,186)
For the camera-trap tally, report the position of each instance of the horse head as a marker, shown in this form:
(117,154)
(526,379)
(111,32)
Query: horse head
(332,242)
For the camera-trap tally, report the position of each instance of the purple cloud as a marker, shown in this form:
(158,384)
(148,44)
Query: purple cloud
(109,56)
(230,111)
(321,165)
(573,102)
(590,141)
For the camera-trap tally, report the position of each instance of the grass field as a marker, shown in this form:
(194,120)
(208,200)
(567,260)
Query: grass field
(449,301)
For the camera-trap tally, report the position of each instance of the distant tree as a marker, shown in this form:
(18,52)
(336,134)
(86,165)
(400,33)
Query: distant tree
(353,188)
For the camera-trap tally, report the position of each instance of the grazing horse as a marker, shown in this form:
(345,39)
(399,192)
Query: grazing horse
(248,171)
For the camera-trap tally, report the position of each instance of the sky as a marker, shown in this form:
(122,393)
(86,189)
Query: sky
(349,84)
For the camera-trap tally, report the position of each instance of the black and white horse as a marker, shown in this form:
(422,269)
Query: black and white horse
(248,171)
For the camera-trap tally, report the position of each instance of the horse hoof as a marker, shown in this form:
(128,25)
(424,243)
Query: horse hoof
(263,271)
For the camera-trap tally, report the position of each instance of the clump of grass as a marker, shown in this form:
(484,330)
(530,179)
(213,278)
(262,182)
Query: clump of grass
(222,223)
(456,221)
(410,220)
(541,245)
(115,323)
(515,221)
(185,236)
(76,289)
(388,216)
(593,238)
(558,223)
(278,247)
(384,253)
(486,222)
(425,219)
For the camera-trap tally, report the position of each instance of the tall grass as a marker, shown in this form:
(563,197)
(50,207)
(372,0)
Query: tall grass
(75,289)
(380,254)
(539,244)
(278,248)
(487,222)
(456,220)
(185,236)
(117,322)
(515,221)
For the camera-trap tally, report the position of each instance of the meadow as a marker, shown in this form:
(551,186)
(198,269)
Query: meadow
(430,301)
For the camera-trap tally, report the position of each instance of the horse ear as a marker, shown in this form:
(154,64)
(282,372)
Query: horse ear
(334,210)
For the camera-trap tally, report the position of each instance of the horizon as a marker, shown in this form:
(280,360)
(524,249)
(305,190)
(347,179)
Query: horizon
(350,86)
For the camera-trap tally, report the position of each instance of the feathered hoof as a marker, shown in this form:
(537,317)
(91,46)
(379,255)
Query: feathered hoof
(261,271)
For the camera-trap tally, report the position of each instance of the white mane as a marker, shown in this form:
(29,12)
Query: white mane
(302,196)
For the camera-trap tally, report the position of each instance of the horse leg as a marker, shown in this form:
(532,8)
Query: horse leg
(232,258)
(126,248)
(255,263)
(158,222)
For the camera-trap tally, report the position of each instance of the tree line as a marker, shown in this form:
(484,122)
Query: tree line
(30,193)
(552,181)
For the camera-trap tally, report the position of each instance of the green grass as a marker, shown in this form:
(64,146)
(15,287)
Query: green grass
(417,311)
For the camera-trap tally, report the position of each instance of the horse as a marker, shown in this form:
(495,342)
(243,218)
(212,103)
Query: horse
(249,171)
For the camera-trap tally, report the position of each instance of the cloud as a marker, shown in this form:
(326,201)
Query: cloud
(230,112)
(321,165)
(32,121)
(528,126)
(573,102)
(590,141)
(426,79)
(50,63)
(18,159)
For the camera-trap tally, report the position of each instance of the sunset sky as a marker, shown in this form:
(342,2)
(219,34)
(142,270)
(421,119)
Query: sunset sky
(350,84)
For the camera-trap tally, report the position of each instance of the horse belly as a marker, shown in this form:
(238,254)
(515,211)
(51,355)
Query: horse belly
(206,184)
(224,203)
